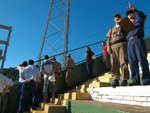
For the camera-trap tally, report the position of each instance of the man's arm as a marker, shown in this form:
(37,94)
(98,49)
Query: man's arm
(5,89)
(86,54)
(60,70)
(140,14)
(45,72)
(108,46)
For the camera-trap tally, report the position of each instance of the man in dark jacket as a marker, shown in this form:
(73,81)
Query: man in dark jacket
(137,48)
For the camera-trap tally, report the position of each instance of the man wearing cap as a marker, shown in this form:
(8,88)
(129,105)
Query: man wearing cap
(58,71)
(48,69)
(118,51)
(137,48)
(69,71)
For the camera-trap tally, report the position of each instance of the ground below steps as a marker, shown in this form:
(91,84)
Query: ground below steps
(115,106)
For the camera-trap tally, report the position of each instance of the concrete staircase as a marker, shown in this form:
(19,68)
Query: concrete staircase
(81,92)
(131,95)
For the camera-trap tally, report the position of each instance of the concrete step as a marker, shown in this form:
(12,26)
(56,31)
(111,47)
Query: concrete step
(133,95)
(58,101)
(74,96)
(52,108)
(36,111)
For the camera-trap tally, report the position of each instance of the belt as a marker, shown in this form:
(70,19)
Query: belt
(118,41)
(132,37)
(70,68)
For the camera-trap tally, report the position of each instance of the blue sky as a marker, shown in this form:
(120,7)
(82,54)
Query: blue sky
(87,17)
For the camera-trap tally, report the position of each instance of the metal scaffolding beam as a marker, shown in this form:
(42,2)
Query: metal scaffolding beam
(56,29)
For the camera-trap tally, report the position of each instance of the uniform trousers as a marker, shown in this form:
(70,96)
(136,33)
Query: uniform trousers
(27,89)
(57,76)
(69,77)
(119,60)
(137,52)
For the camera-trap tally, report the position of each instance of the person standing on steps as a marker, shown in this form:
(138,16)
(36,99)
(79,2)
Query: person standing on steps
(69,71)
(58,71)
(137,51)
(118,51)
(89,62)
(48,69)
(32,75)
(106,58)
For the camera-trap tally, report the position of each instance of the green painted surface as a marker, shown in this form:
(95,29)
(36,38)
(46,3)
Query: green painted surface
(76,107)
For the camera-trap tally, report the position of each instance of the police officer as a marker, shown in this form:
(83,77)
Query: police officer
(69,72)
(118,50)
(58,71)
(137,48)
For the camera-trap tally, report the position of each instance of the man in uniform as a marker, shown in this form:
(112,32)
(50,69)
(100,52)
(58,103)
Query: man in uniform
(137,48)
(69,71)
(58,71)
(118,50)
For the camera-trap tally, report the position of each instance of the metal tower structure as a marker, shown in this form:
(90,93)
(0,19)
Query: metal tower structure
(55,37)
(6,44)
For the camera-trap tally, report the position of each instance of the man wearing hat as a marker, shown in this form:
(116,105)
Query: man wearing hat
(58,71)
(137,48)
(69,71)
(118,51)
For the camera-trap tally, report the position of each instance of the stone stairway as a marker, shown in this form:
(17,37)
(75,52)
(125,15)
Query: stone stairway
(81,92)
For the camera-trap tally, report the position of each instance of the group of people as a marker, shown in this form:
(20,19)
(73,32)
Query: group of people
(30,81)
(124,47)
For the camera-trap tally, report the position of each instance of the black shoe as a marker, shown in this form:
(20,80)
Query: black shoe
(124,83)
(134,84)
(115,83)
(146,83)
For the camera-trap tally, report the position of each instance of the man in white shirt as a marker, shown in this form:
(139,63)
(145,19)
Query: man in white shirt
(47,69)
(4,85)
(5,97)
(31,74)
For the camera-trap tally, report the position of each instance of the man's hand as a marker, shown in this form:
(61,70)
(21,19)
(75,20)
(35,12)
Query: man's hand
(3,93)
(109,50)
(131,7)
(26,81)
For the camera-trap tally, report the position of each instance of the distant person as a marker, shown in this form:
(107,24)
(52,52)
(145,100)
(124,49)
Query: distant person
(106,58)
(69,71)
(4,85)
(137,51)
(5,97)
(58,71)
(32,75)
(20,82)
(118,51)
(89,62)
(48,69)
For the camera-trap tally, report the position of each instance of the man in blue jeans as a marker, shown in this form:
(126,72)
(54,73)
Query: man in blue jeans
(32,75)
(137,51)
(48,70)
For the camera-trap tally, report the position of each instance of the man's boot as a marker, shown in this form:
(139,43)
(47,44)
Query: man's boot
(124,83)
(115,83)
